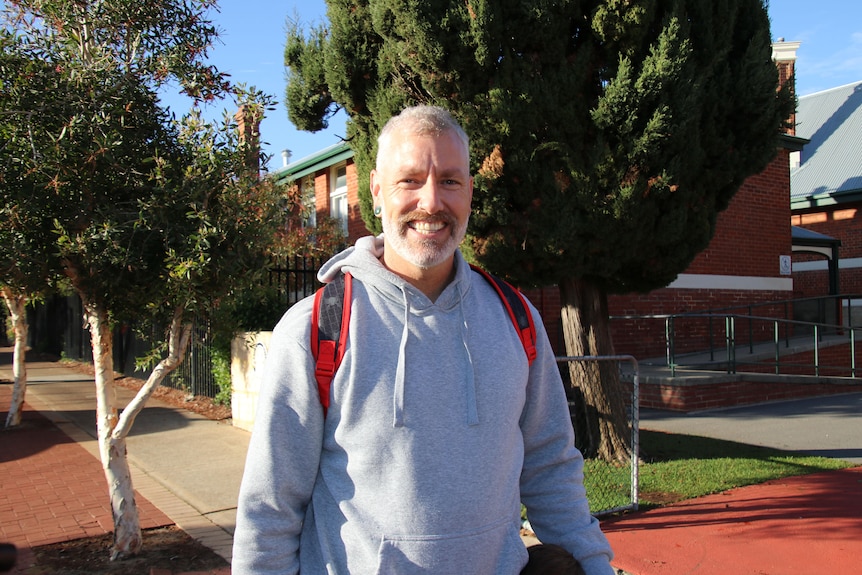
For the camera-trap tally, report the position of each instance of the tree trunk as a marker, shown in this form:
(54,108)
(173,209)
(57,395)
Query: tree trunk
(178,343)
(17,310)
(127,526)
(602,423)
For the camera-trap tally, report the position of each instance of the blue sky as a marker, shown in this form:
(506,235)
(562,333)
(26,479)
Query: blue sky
(253,31)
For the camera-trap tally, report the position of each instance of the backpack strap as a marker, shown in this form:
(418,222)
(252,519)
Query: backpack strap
(518,311)
(330,317)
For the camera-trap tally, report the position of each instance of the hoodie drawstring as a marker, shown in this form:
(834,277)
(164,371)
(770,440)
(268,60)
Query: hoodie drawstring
(398,398)
(400,369)
(469,379)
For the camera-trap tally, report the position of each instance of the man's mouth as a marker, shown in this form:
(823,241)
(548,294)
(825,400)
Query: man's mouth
(426,227)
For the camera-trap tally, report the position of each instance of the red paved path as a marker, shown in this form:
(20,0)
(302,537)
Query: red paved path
(51,488)
(806,525)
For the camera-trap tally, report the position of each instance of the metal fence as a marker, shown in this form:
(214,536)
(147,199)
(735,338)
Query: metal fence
(195,375)
(612,488)
(294,278)
(57,327)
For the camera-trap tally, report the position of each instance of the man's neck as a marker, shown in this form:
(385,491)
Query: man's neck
(430,281)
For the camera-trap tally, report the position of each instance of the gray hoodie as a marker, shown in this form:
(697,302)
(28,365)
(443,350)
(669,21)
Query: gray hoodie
(438,429)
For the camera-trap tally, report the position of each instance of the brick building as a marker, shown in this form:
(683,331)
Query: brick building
(826,196)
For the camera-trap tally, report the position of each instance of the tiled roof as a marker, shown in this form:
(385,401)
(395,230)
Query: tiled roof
(831,163)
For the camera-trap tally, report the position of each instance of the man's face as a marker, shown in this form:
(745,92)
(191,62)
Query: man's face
(425,189)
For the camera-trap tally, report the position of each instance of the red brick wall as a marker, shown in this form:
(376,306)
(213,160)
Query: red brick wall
(843,222)
(644,337)
(321,193)
(322,185)
(754,230)
(355,224)
(744,392)
(834,361)
(547,302)
(750,236)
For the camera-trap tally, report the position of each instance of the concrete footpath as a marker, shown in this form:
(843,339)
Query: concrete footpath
(187,469)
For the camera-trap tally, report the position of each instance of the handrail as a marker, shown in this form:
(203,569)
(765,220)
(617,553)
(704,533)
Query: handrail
(730,320)
(781,302)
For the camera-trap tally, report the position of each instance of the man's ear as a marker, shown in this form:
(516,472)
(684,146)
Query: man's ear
(374,184)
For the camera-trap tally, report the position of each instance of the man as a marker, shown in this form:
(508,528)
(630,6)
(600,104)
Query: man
(438,427)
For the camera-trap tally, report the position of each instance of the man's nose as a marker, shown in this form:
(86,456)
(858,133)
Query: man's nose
(430,197)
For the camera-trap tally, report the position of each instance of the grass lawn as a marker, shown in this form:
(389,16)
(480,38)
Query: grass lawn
(676,467)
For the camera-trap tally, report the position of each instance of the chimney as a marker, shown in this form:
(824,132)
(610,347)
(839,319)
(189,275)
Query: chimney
(248,124)
(784,56)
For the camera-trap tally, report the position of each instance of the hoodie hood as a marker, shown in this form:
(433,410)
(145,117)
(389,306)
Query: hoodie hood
(363,262)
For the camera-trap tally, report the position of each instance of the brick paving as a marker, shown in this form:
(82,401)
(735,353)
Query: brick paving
(51,488)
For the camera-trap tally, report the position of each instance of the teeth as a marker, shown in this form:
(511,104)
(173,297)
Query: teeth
(427,227)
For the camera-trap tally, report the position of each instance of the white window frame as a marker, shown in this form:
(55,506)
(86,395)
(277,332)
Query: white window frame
(338,207)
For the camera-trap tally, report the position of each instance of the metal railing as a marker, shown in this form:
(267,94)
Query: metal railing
(295,278)
(58,322)
(786,337)
(606,489)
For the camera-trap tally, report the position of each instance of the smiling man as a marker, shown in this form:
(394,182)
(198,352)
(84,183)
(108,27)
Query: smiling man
(438,426)
(422,190)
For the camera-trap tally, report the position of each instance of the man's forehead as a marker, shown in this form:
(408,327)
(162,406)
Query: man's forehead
(411,153)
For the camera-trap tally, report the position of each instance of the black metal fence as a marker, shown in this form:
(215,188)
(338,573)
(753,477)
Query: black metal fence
(295,278)
(57,327)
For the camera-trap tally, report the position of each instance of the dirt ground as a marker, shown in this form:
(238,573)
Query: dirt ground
(168,548)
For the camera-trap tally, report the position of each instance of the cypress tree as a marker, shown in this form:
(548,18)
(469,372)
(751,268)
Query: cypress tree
(606,136)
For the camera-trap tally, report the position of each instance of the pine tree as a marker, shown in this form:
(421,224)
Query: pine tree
(606,135)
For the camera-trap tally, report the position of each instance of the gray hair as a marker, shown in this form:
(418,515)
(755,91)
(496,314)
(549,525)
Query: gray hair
(421,120)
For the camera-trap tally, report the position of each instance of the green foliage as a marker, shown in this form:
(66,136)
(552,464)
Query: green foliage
(144,214)
(220,360)
(606,136)
(322,240)
(253,307)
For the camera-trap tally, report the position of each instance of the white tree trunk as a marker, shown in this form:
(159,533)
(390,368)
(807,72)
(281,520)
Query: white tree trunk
(178,342)
(113,429)
(127,526)
(17,304)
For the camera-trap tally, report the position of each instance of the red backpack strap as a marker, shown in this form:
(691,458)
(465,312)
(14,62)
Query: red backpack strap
(330,317)
(518,310)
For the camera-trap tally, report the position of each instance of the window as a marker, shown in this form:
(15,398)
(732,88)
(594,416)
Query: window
(309,203)
(338,195)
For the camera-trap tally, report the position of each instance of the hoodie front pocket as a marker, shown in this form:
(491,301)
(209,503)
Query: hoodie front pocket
(489,550)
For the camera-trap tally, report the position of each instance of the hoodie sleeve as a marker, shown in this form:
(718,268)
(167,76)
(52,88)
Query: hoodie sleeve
(283,456)
(552,480)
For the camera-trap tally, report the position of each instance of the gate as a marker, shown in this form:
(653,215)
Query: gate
(611,488)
